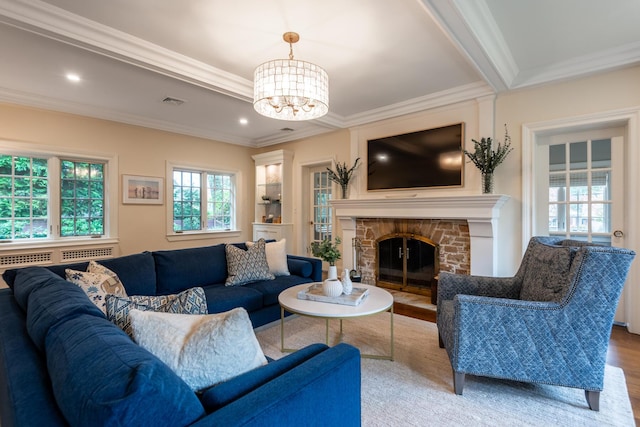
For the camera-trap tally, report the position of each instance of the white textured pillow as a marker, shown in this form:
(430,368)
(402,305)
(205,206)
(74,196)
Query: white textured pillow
(97,285)
(276,257)
(203,350)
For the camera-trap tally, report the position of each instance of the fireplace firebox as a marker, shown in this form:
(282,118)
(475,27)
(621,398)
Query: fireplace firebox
(408,263)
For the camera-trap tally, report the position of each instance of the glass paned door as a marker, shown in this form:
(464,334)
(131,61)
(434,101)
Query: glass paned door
(582,189)
(321,211)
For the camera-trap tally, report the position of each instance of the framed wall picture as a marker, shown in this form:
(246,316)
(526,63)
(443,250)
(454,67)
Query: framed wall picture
(143,190)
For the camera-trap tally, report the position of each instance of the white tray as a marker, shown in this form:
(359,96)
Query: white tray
(314,293)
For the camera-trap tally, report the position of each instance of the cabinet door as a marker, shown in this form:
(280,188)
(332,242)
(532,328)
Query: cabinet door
(260,232)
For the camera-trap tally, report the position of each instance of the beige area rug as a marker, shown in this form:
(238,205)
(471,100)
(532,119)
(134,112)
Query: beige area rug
(417,388)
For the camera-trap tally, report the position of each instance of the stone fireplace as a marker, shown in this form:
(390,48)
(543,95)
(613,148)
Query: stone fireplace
(411,251)
(465,227)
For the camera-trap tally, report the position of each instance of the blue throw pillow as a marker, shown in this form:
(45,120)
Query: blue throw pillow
(300,267)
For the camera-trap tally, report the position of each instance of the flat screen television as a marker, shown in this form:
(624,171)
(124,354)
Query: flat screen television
(427,158)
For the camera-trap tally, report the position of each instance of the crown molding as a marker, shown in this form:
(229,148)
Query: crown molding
(37,101)
(49,21)
(606,60)
(439,99)
(289,136)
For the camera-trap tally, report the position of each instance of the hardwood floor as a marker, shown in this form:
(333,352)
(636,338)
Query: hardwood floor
(624,352)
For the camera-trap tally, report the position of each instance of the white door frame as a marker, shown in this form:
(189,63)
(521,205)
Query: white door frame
(630,120)
(301,212)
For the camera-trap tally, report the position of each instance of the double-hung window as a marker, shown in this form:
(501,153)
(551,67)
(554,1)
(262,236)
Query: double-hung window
(52,197)
(203,200)
(24,197)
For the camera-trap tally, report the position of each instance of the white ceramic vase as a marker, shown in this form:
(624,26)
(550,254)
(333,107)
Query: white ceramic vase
(332,287)
(347,285)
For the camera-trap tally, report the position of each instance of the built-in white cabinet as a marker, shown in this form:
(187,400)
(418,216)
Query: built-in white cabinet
(273,204)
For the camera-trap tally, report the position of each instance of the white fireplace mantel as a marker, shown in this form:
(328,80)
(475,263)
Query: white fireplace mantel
(480,211)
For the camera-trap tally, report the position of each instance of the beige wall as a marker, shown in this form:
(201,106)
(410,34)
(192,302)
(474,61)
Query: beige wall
(599,93)
(140,151)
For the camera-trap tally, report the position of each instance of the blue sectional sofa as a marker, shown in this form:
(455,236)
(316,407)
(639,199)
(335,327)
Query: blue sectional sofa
(63,363)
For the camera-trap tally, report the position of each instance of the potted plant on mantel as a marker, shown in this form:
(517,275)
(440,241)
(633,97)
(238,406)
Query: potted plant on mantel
(343,175)
(328,251)
(487,160)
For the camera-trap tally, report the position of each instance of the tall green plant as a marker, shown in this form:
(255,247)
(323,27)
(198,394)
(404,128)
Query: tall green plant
(327,250)
(485,157)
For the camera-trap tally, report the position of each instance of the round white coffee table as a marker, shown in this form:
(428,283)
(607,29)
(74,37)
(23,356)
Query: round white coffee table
(377,301)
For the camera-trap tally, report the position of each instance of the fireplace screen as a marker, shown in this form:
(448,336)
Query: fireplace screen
(407,262)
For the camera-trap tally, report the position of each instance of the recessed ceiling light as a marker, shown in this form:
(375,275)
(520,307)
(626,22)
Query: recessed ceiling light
(243,121)
(73,77)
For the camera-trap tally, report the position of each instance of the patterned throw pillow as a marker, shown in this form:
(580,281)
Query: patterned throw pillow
(202,350)
(247,266)
(547,275)
(97,283)
(276,257)
(191,301)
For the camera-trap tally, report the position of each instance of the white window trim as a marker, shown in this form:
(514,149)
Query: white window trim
(110,196)
(173,236)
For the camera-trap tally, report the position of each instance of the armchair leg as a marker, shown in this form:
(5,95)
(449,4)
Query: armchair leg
(440,342)
(593,399)
(458,382)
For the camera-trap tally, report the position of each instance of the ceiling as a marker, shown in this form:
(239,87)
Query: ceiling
(384,58)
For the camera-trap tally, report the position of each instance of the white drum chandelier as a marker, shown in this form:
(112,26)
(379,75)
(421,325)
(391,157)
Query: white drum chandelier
(288,89)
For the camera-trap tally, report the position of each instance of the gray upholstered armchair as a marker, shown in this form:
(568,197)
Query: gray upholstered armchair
(550,323)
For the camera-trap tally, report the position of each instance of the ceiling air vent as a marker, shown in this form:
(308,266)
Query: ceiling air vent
(286,130)
(173,101)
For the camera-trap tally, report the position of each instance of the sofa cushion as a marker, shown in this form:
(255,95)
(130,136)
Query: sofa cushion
(276,257)
(270,289)
(48,300)
(247,266)
(226,392)
(182,269)
(137,272)
(96,285)
(191,301)
(23,372)
(101,377)
(203,350)
(546,277)
(224,298)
